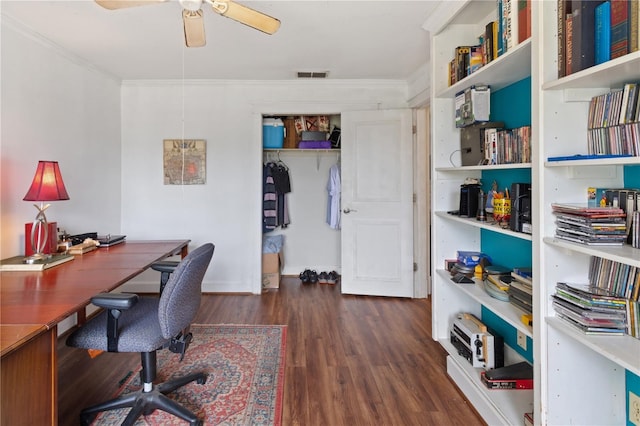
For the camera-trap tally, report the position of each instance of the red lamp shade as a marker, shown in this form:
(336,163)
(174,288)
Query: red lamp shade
(47,183)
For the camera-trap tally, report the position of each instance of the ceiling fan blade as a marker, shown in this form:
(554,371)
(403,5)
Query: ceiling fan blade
(121,4)
(193,28)
(246,15)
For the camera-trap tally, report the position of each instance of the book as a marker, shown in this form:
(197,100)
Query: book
(510,30)
(17,263)
(583,26)
(603,32)
(634,25)
(568,46)
(488,42)
(524,20)
(619,28)
(564,7)
(500,20)
(516,376)
(461,56)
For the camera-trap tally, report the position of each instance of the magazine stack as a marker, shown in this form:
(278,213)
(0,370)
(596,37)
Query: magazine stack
(521,289)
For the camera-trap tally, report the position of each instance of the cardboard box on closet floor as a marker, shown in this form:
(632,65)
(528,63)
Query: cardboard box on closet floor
(272,264)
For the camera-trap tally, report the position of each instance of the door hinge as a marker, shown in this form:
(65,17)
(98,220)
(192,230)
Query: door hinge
(414,129)
(415,266)
(415,197)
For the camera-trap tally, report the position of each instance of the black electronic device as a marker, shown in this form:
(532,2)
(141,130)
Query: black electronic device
(520,220)
(472,142)
(469,199)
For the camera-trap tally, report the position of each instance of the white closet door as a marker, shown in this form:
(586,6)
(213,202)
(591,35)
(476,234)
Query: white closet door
(377,203)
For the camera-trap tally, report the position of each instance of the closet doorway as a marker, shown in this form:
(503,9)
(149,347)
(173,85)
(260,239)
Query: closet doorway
(310,242)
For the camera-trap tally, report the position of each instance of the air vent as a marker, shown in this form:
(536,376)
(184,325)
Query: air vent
(312,74)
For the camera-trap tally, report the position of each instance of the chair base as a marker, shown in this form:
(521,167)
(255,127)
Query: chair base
(145,403)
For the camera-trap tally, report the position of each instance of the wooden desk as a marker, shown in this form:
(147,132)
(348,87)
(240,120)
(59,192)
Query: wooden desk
(33,303)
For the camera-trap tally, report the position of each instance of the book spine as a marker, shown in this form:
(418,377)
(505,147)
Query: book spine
(524,20)
(510,22)
(634,25)
(603,31)
(500,10)
(562,19)
(568,50)
(619,28)
(583,34)
(496,34)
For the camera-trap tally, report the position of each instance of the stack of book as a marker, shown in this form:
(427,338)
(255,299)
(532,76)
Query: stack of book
(521,289)
(587,225)
(591,309)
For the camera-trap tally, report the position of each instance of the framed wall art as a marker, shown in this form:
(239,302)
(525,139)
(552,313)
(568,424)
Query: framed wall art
(185,161)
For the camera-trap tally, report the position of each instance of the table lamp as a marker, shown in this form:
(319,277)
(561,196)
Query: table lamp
(47,185)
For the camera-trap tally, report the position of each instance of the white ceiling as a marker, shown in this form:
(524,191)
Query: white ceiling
(350,39)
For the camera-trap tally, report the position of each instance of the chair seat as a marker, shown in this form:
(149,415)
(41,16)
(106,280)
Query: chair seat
(139,330)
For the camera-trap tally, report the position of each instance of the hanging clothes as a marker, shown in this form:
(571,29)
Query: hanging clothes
(334,189)
(269,201)
(276,185)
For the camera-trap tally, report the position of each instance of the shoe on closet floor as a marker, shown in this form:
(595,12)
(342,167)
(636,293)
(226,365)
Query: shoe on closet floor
(333,277)
(323,277)
(304,276)
(313,277)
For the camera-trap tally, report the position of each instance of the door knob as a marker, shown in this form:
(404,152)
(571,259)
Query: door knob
(348,210)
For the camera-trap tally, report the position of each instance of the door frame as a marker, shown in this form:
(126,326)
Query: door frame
(421,279)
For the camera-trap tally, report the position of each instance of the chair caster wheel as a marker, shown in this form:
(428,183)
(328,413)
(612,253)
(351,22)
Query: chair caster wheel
(201,381)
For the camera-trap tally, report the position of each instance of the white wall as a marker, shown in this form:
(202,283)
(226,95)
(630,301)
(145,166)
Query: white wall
(108,140)
(55,107)
(228,114)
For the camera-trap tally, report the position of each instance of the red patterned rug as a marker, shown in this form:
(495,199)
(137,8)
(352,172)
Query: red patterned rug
(245,366)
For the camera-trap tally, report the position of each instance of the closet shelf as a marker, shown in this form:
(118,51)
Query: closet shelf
(300,150)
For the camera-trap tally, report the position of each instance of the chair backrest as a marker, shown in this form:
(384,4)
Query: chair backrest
(180,299)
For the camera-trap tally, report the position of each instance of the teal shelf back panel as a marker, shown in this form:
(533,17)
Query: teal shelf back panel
(512,104)
(508,333)
(632,176)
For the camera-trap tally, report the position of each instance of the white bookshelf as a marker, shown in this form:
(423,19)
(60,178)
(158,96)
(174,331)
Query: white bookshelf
(596,363)
(451,233)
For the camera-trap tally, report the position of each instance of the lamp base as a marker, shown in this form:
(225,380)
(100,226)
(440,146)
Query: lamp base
(50,247)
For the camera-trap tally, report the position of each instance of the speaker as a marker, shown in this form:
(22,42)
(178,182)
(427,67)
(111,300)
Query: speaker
(520,220)
(469,200)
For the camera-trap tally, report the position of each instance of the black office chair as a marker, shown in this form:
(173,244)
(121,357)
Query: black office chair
(145,324)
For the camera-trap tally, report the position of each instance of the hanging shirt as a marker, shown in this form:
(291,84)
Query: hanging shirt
(333,201)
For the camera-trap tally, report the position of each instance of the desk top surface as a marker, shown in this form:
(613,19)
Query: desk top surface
(44,298)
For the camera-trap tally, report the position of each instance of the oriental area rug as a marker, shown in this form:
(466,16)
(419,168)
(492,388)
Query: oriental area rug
(245,374)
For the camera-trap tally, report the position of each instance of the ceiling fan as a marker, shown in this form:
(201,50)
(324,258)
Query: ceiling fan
(193,19)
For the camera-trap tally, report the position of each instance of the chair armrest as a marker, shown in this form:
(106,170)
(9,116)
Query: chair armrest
(120,301)
(165,265)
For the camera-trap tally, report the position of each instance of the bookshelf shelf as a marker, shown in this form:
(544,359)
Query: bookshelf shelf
(490,226)
(497,406)
(510,313)
(512,66)
(623,161)
(623,254)
(611,74)
(491,167)
(623,350)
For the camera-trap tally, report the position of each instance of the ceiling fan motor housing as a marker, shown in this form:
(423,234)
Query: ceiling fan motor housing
(192,5)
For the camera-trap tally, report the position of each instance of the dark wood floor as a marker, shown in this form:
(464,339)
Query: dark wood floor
(351,360)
